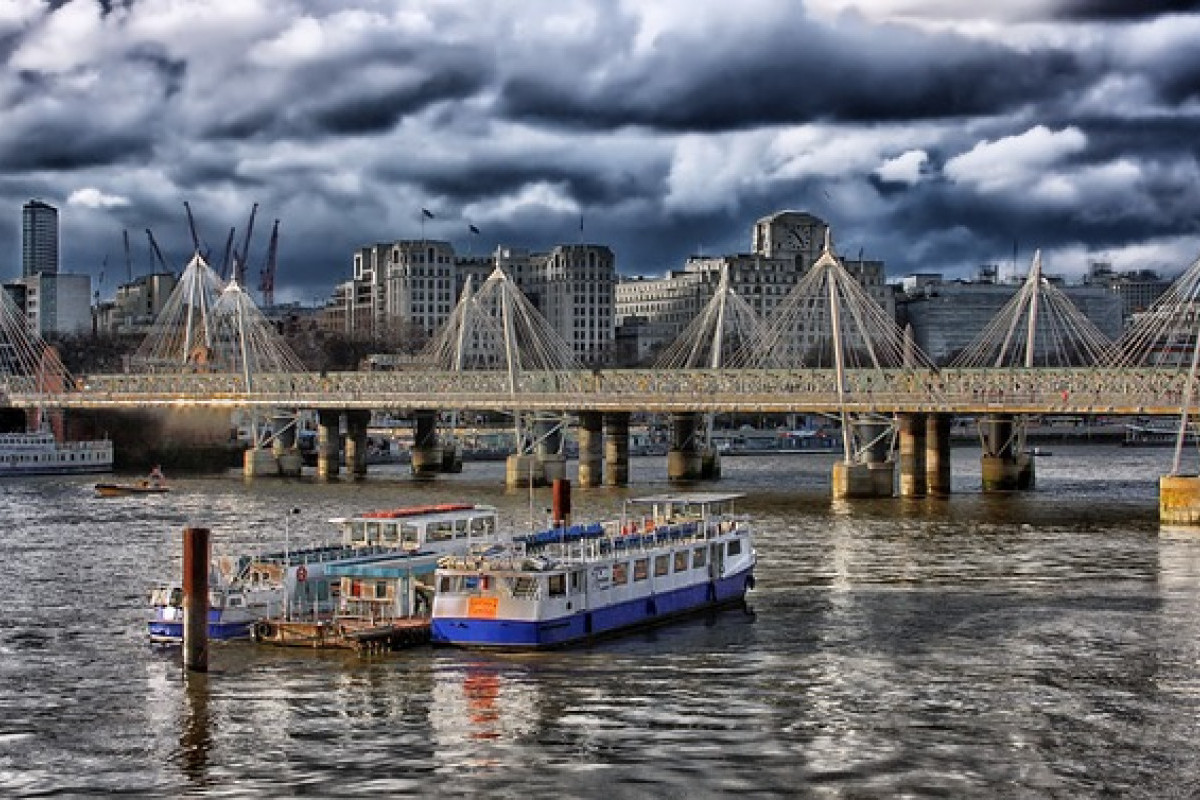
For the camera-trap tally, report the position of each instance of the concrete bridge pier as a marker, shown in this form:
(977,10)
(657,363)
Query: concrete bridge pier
(871,474)
(1179,500)
(937,454)
(1004,467)
(684,460)
(616,448)
(548,435)
(591,449)
(287,454)
(356,441)
(426,454)
(913,475)
(329,445)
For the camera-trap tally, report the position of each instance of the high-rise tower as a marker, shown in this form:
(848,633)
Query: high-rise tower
(39,238)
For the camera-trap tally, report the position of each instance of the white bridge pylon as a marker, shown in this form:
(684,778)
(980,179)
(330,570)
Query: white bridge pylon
(498,328)
(209,326)
(27,364)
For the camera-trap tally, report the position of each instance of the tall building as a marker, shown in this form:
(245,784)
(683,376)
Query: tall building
(404,291)
(39,239)
(784,245)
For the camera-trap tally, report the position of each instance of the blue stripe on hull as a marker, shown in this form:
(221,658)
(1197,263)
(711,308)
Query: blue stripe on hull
(583,625)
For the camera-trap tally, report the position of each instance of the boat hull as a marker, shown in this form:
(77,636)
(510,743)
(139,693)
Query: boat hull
(221,627)
(591,623)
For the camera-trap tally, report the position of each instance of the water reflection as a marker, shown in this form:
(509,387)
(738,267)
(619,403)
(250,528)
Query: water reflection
(196,730)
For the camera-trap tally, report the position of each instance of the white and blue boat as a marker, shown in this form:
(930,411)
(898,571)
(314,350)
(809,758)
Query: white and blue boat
(667,556)
(292,582)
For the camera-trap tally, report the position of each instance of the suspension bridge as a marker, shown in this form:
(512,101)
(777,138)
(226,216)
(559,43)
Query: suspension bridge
(827,349)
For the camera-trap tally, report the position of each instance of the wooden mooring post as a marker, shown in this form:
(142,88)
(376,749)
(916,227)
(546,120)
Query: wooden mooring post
(195,599)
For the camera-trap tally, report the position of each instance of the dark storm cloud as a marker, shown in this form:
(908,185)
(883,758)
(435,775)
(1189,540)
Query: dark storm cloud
(796,74)
(670,129)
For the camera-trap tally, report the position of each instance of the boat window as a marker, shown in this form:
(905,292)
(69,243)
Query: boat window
(372,532)
(235,601)
(410,534)
(390,534)
(558,585)
(698,557)
(440,531)
(483,526)
(444,584)
(681,561)
(640,569)
(177,597)
(662,565)
(734,547)
(357,533)
(576,581)
(620,573)
(460,529)
(524,587)
(381,590)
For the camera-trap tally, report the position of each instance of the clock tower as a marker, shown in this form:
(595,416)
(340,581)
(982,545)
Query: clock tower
(788,235)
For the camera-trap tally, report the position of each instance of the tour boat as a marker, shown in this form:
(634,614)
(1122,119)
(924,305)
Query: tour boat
(246,589)
(668,555)
(39,453)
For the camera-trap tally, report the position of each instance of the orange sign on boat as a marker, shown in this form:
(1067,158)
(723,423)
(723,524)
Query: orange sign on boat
(482,607)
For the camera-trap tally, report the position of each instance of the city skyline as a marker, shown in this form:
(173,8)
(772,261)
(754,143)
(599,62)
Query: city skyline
(932,141)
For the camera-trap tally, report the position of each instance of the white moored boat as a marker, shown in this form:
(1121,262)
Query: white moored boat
(306,582)
(668,555)
(39,453)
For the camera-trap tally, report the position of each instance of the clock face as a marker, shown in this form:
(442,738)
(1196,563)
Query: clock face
(799,236)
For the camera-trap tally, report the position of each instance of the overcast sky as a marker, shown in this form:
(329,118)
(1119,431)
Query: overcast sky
(929,137)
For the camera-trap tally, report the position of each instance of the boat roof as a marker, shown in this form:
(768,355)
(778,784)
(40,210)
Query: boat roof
(396,567)
(427,512)
(697,498)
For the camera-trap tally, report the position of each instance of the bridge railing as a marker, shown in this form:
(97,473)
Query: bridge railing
(1113,390)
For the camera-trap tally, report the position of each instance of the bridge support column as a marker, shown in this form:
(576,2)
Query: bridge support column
(356,441)
(1004,467)
(329,445)
(684,462)
(287,455)
(616,448)
(937,454)
(426,454)
(872,474)
(1179,500)
(548,435)
(591,448)
(259,461)
(912,455)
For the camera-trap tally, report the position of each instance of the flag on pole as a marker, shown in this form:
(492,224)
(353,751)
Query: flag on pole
(425,212)
(472,228)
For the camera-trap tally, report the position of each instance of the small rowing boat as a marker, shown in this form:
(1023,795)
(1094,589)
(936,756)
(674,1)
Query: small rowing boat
(124,489)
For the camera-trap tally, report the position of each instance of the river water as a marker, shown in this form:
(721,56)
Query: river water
(1036,645)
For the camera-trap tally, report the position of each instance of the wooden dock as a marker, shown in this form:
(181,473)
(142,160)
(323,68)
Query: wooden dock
(346,633)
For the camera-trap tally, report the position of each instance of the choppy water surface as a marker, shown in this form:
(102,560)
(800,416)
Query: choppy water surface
(1045,644)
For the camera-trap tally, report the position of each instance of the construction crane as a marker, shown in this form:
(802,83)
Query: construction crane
(225,258)
(128,258)
(241,259)
(158,256)
(266,283)
(196,246)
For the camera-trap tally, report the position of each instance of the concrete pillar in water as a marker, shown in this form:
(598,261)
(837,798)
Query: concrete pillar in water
(1179,500)
(616,448)
(1003,467)
(196,557)
(329,443)
(937,454)
(591,448)
(547,433)
(871,474)
(357,421)
(683,456)
(287,455)
(523,469)
(426,454)
(259,461)
(912,455)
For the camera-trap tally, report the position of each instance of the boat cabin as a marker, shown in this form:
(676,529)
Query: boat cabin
(442,526)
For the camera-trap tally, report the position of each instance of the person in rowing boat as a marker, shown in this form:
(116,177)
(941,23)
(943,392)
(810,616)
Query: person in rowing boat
(156,477)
